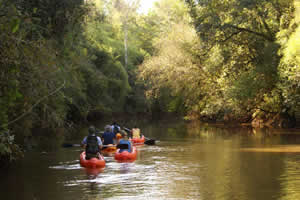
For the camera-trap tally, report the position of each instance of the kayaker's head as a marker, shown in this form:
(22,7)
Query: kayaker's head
(124,134)
(107,128)
(92,130)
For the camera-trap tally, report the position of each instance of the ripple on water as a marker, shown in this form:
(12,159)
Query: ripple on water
(67,166)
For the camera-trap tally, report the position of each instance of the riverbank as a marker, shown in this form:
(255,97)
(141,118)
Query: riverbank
(258,119)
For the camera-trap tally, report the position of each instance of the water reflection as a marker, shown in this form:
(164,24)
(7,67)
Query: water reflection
(289,179)
(93,172)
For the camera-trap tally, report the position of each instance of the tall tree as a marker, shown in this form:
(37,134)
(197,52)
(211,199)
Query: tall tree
(127,10)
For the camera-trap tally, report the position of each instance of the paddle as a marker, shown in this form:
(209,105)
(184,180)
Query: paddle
(79,145)
(119,146)
(97,132)
(148,140)
(66,145)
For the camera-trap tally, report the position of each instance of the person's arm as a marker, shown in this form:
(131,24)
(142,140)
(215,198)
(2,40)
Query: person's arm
(102,137)
(130,145)
(83,143)
(114,138)
(99,142)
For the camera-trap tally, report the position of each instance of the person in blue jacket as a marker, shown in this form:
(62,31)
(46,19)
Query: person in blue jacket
(108,136)
(125,141)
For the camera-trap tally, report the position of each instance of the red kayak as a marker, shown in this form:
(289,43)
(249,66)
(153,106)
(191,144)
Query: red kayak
(126,156)
(91,163)
(137,141)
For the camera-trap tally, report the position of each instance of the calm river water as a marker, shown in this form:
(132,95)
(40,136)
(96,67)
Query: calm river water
(189,161)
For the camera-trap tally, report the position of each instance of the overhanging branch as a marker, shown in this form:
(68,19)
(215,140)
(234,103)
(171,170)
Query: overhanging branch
(250,31)
(34,105)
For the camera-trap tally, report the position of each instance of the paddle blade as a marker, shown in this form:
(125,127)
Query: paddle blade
(150,142)
(66,145)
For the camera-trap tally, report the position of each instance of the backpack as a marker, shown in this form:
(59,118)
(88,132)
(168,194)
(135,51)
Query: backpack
(92,145)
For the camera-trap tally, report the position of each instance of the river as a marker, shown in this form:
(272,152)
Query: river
(189,161)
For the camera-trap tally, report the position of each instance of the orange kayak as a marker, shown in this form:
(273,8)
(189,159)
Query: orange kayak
(109,150)
(91,163)
(126,156)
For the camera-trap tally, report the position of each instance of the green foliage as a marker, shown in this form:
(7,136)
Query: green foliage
(239,51)
(233,66)
(289,67)
(60,61)
(172,68)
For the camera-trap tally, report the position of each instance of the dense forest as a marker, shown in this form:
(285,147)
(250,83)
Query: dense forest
(65,62)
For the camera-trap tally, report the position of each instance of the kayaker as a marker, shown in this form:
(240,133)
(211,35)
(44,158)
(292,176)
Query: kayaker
(136,133)
(115,128)
(125,141)
(108,136)
(92,144)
